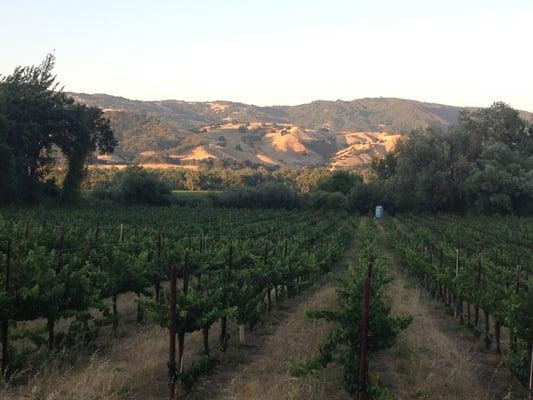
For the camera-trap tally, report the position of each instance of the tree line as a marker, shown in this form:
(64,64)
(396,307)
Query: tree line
(484,164)
(213,176)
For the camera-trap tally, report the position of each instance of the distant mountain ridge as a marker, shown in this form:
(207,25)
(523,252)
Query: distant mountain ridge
(181,131)
(369,114)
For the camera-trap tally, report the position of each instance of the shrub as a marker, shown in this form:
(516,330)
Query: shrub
(324,200)
(135,185)
(340,181)
(267,195)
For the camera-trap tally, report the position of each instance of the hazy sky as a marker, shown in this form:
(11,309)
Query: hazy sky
(466,52)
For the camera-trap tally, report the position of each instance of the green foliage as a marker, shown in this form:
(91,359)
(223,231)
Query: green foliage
(135,185)
(138,132)
(324,200)
(340,181)
(499,123)
(364,197)
(343,344)
(69,263)
(87,130)
(498,181)
(482,165)
(517,360)
(199,367)
(252,137)
(474,261)
(215,175)
(268,195)
(385,167)
(520,312)
(435,169)
(37,120)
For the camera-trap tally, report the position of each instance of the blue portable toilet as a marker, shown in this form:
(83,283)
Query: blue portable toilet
(379,212)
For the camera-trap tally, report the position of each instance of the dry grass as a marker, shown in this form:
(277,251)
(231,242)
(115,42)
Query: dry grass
(144,165)
(133,366)
(426,362)
(291,141)
(122,368)
(360,148)
(200,153)
(112,374)
(436,358)
(261,369)
(267,160)
(297,339)
(217,107)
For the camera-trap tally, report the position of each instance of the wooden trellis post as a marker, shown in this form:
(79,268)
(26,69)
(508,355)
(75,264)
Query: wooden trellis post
(363,363)
(530,385)
(5,322)
(172,332)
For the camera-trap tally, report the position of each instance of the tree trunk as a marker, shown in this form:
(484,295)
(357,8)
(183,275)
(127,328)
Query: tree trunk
(157,289)
(74,176)
(205,334)
(461,310)
(181,348)
(223,339)
(115,316)
(488,340)
(140,310)
(5,333)
(476,318)
(242,334)
(51,335)
(530,385)
(269,299)
(497,335)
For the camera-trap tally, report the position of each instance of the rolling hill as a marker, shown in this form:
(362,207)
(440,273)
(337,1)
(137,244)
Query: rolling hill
(338,134)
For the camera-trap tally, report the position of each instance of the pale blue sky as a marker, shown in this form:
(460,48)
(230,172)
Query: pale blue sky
(465,52)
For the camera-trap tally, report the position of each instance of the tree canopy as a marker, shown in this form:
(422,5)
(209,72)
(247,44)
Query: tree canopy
(483,164)
(39,125)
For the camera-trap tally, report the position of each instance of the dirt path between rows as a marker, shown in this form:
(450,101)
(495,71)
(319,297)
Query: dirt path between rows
(261,369)
(435,357)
